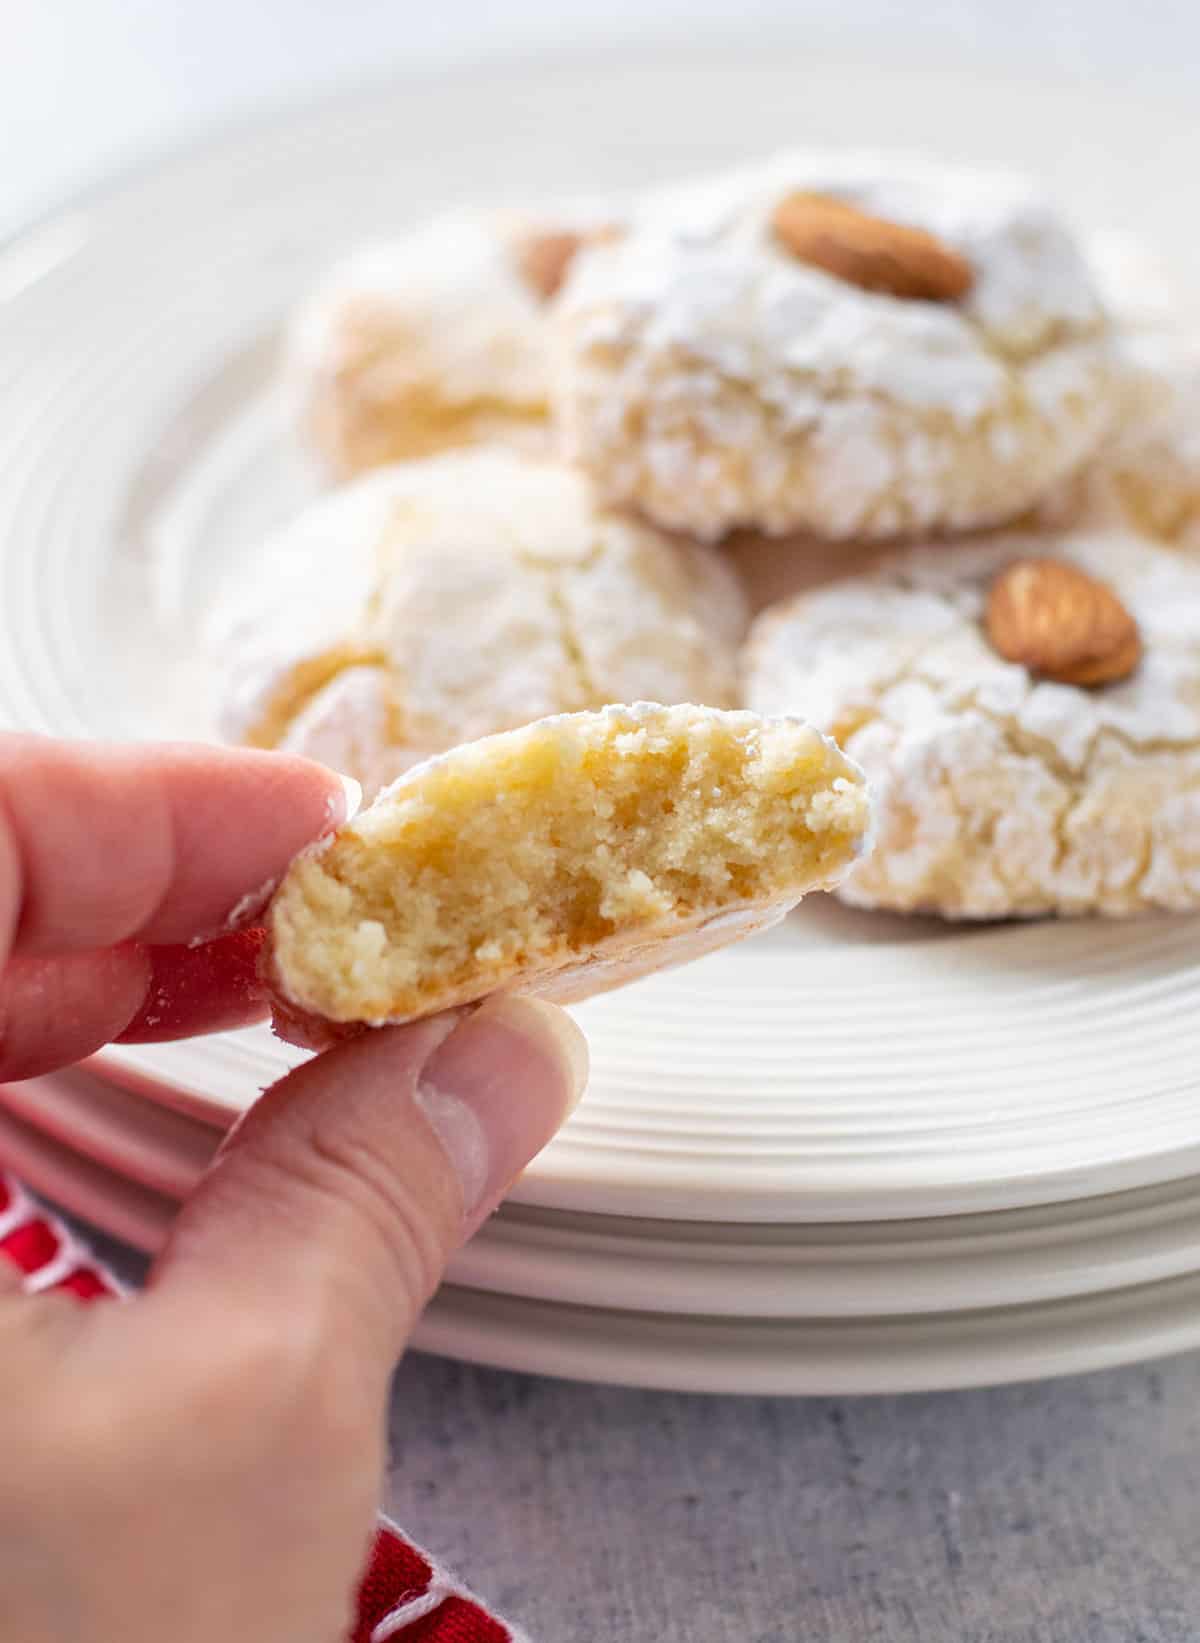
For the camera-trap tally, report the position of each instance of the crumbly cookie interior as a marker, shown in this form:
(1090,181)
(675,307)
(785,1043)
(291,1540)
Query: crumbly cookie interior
(529,849)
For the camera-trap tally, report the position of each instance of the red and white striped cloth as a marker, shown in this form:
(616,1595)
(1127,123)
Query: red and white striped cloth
(404,1594)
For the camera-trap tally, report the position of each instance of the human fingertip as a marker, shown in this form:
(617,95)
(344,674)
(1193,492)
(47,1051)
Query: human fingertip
(497,1089)
(548,1029)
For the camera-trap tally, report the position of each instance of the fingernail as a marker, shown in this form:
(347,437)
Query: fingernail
(496,1090)
(352,797)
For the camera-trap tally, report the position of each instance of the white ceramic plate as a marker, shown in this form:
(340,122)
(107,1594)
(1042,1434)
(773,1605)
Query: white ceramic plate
(141,1141)
(708,1354)
(843,1270)
(846,1067)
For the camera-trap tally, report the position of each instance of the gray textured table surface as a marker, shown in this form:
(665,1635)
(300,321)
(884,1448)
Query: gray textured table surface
(1063,1512)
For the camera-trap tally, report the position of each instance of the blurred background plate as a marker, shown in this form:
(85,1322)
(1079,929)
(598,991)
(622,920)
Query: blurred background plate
(844,1068)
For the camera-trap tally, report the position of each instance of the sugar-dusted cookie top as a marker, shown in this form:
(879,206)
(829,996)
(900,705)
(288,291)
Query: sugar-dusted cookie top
(856,344)
(1028,711)
(439,601)
(1146,474)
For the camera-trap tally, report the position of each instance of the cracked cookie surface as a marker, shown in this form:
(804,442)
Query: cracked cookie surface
(716,380)
(437,602)
(998,794)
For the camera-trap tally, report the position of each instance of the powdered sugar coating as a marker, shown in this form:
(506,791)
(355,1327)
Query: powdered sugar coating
(350,724)
(1139,290)
(998,794)
(308,589)
(437,602)
(1158,465)
(428,341)
(1146,475)
(708,376)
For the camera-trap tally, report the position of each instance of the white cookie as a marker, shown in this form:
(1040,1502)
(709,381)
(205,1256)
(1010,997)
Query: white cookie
(1146,475)
(714,379)
(1000,793)
(434,340)
(440,601)
(565,858)
(1149,475)
(1138,289)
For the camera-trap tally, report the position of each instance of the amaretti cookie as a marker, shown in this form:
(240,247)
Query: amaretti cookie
(564,858)
(437,602)
(852,344)
(1138,288)
(437,338)
(1146,475)
(1028,712)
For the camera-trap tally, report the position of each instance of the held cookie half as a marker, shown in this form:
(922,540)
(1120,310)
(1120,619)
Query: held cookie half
(564,858)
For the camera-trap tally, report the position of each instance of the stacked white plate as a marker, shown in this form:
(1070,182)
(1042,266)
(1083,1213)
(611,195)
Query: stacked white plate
(858,1154)
(813,1165)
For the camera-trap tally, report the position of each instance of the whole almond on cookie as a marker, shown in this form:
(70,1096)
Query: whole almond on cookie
(1061,623)
(870,252)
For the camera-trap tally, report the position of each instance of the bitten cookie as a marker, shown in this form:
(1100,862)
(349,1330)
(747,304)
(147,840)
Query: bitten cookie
(1028,712)
(565,858)
(850,344)
(437,339)
(441,601)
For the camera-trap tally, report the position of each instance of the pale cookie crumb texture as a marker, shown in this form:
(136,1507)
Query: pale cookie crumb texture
(564,858)
(435,339)
(1001,795)
(441,601)
(709,375)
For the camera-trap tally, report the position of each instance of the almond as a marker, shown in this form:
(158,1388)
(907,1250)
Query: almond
(1061,623)
(544,260)
(870,252)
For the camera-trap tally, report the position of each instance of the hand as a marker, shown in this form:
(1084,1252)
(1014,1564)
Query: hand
(205,1461)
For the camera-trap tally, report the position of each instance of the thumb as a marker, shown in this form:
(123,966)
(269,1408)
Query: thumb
(335,1205)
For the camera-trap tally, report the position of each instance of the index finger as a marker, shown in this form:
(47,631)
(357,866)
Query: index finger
(161,843)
